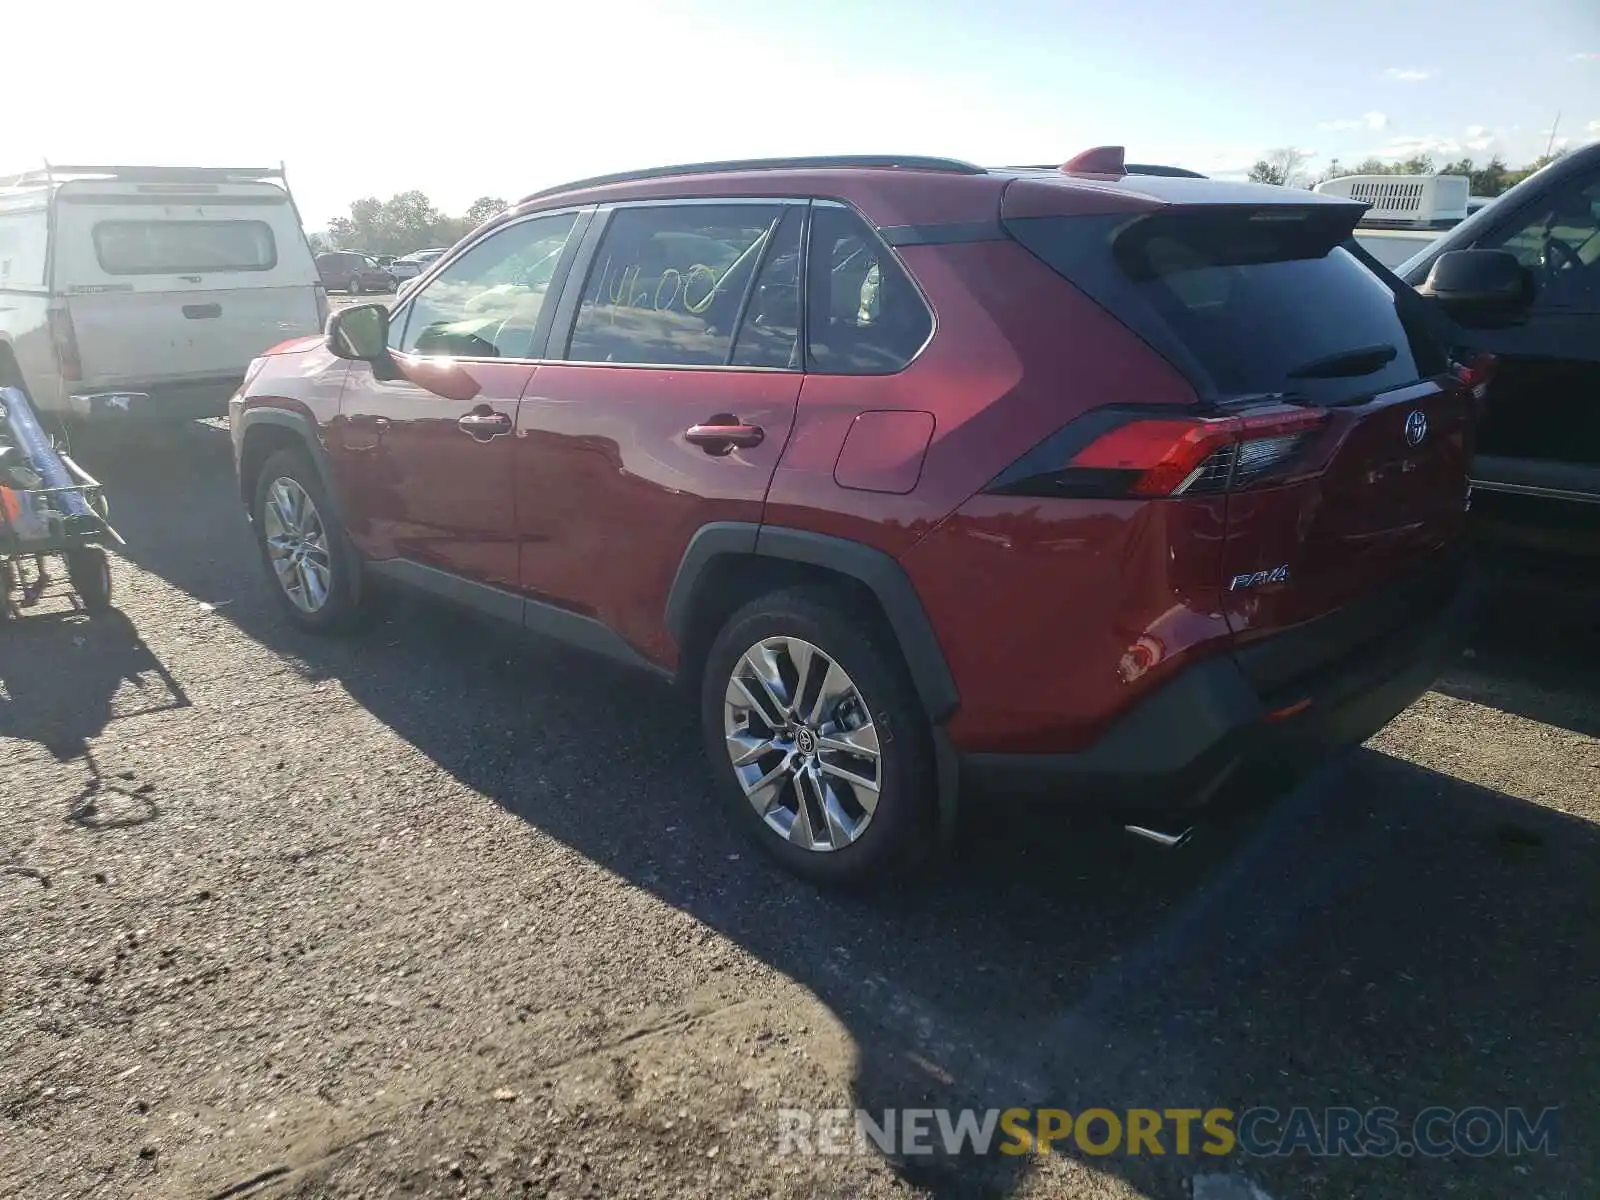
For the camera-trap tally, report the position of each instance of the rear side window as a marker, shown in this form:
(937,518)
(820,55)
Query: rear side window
(670,283)
(863,314)
(1245,304)
(183,247)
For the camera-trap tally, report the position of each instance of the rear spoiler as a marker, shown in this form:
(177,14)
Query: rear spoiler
(50,174)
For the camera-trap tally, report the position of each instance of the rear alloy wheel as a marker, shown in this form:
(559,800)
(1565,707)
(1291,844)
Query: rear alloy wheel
(313,567)
(818,739)
(355,287)
(802,744)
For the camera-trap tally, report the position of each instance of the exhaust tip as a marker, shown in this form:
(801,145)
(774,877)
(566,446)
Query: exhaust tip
(1160,837)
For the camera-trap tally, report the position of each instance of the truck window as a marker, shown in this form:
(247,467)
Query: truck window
(1560,243)
(174,247)
(22,246)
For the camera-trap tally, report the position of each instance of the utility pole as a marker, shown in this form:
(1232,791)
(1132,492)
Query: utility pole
(1551,144)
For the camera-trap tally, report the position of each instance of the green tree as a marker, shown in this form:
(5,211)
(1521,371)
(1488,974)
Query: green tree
(484,207)
(1280,166)
(408,221)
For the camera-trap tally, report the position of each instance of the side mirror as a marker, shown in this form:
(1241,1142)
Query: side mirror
(361,333)
(1481,288)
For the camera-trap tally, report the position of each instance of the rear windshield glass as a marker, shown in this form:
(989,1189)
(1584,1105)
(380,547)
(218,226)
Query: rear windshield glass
(179,247)
(1241,305)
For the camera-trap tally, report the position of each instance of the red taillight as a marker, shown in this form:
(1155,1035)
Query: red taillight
(1201,454)
(1477,375)
(1164,456)
(65,340)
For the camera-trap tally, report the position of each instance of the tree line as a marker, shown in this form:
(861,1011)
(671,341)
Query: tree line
(404,223)
(1286,167)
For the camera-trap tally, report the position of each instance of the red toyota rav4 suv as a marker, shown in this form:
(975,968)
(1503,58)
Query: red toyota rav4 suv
(919,475)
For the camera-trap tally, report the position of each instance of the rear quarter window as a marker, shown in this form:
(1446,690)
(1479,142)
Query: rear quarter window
(183,247)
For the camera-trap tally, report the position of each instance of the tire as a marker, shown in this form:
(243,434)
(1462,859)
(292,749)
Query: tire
(828,626)
(355,287)
(89,572)
(320,588)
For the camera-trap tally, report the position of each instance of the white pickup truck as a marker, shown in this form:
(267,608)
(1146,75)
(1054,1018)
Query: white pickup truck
(144,292)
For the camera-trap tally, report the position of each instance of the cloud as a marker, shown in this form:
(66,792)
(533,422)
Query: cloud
(1408,74)
(1586,56)
(1479,137)
(1367,120)
(1410,145)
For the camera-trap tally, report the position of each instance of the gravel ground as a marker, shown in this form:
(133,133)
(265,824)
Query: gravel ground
(432,912)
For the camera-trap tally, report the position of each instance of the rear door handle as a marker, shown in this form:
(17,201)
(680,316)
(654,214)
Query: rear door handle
(485,426)
(722,433)
(202,312)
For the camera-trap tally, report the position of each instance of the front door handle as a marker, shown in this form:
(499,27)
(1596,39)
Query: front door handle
(722,433)
(484,426)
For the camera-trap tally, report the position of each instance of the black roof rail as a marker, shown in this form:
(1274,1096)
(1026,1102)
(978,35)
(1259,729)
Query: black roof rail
(904,162)
(51,174)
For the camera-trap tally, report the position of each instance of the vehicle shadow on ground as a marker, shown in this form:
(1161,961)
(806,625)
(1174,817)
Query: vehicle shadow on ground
(1384,935)
(1538,645)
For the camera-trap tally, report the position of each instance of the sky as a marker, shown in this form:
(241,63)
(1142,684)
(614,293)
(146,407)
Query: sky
(503,97)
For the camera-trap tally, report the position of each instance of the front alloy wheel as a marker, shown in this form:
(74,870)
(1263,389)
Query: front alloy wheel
(297,545)
(802,743)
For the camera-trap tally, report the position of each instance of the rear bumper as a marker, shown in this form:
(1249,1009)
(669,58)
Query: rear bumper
(188,400)
(1177,749)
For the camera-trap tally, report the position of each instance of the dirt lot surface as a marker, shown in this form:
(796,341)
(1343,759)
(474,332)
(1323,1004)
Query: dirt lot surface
(431,912)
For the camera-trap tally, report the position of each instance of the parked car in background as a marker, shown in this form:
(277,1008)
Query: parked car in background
(349,271)
(414,264)
(403,268)
(144,292)
(1536,478)
(1174,481)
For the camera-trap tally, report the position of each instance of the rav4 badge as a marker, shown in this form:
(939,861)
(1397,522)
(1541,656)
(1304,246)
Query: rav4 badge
(1276,575)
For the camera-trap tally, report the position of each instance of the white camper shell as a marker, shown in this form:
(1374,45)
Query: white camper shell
(1405,213)
(144,292)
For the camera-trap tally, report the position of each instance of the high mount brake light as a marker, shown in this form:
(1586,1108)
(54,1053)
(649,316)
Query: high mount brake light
(1153,456)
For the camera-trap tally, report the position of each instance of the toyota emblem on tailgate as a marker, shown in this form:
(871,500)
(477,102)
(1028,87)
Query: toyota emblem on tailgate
(1416,427)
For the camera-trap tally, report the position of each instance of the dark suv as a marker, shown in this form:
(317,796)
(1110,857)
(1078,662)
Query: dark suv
(919,476)
(1536,479)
